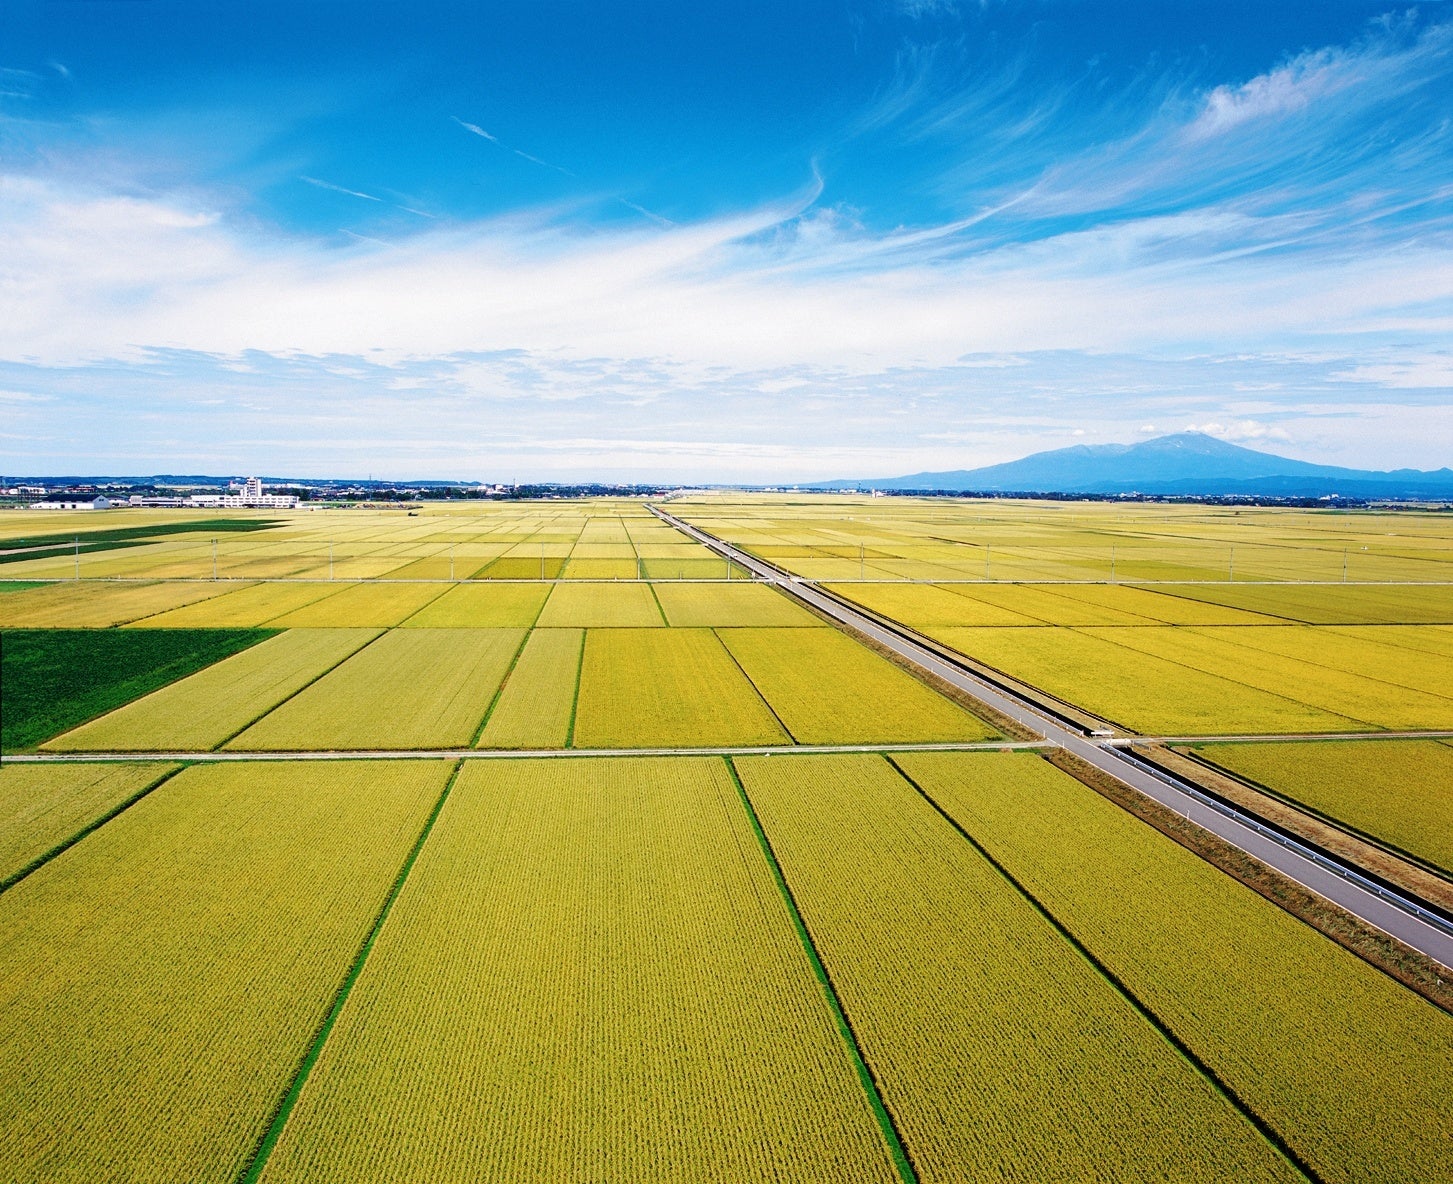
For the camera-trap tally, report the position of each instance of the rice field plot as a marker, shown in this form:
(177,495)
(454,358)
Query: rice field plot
(78,604)
(701,568)
(828,689)
(200,712)
(1239,655)
(412,688)
(1001,1053)
(589,975)
(1349,1067)
(54,679)
(1421,639)
(1140,691)
(359,606)
(250,605)
(441,567)
(1396,792)
(161,980)
(536,706)
(928,604)
(1332,604)
(599,606)
(729,606)
(44,806)
(514,567)
(649,688)
(482,606)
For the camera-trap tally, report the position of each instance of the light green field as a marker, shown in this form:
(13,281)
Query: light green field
(1001,1052)
(1398,792)
(729,606)
(42,806)
(589,976)
(597,606)
(536,707)
(649,688)
(160,981)
(412,688)
(482,606)
(1348,1066)
(204,710)
(827,689)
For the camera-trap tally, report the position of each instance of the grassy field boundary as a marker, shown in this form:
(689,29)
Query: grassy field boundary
(781,723)
(575,698)
(504,682)
(94,825)
(258,1160)
(889,1128)
(1143,1009)
(321,674)
(651,587)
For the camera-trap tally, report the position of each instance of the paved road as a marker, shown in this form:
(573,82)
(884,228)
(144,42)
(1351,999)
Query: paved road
(1397,915)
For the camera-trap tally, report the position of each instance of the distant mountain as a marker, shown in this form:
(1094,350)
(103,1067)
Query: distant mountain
(1188,463)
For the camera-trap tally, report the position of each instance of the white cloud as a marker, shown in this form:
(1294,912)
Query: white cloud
(1241,431)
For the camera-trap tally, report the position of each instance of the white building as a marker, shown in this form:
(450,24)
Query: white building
(250,497)
(76,503)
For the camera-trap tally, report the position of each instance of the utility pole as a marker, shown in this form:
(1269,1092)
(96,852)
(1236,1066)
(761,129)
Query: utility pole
(1344,565)
(1231,566)
(330,560)
(214,561)
(451,563)
(542,561)
(987,551)
(861,577)
(1112,563)
(78,558)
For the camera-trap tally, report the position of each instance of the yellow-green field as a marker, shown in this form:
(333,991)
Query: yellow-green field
(252,925)
(589,976)
(160,981)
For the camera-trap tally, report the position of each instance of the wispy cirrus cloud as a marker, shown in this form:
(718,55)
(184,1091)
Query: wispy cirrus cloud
(339,189)
(475,129)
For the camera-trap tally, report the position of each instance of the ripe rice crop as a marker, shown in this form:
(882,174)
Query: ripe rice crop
(595,606)
(248,606)
(512,567)
(482,606)
(362,606)
(828,689)
(601,569)
(927,604)
(728,605)
(200,712)
(535,707)
(1332,604)
(42,806)
(412,688)
(1152,695)
(699,568)
(1245,659)
(1002,1054)
(160,981)
(1349,1067)
(77,604)
(648,688)
(1398,792)
(589,975)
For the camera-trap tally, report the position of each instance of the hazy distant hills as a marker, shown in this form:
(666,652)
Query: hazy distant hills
(1188,463)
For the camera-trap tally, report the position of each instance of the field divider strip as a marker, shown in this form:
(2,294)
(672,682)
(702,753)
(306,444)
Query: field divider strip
(781,723)
(286,698)
(660,608)
(94,825)
(902,1161)
(500,690)
(258,1160)
(1143,1009)
(575,698)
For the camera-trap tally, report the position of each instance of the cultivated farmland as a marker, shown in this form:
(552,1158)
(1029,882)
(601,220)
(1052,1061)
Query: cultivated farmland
(172,955)
(589,976)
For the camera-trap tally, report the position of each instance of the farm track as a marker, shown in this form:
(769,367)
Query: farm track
(1410,921)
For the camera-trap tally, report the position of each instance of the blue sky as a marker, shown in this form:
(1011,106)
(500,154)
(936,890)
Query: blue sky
(758,241)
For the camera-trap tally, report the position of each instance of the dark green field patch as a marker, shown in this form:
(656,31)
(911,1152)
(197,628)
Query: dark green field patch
(18,585)
(124,534)
(52,680)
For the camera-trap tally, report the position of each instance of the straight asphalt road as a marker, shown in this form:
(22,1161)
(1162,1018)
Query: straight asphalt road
(1389,911)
